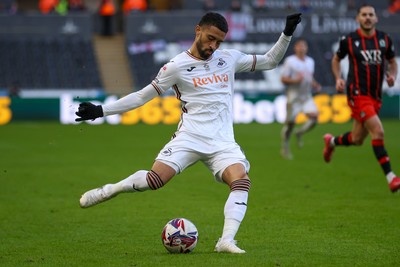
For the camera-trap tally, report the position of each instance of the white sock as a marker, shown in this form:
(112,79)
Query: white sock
(137,182)
(332,141)
(234,211)
(390,176)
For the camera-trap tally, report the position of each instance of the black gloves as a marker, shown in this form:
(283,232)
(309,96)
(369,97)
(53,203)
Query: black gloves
(88,111)
(291,23)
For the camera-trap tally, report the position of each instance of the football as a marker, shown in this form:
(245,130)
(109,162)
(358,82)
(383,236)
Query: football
(179,236)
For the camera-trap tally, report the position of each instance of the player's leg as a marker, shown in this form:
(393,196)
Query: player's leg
(375,128)
(140,181)
(307,126)
(235,208)
(311,111)
(287,130)
(359,106)
(355,137)
(170,161)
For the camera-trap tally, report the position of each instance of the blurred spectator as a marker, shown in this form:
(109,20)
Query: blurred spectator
(62,7)
(351,5)
(236,5)
(107,12)
(134,6)
(209,5)
(394,6)
(13,90)
(76,6)
(47,6)
(260,5)
(304,6)
(8,7)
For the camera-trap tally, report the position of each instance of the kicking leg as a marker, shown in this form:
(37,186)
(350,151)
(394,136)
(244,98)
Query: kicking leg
(138,182)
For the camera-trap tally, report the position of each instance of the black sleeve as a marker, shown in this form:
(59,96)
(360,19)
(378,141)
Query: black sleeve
(390,50)
(343,49)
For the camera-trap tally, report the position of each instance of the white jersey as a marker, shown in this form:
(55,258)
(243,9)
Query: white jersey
(205,88)
(292,68)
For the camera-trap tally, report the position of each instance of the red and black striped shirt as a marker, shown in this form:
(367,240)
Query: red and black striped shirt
(367,62)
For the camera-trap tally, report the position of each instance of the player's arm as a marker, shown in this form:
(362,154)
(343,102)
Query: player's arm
(287,79)
(337,73)
(316,85)
(274,56)
(164,80)
(89,111)
(336,67)
(391,73)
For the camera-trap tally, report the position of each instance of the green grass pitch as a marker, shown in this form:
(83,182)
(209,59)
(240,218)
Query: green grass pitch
(300,213)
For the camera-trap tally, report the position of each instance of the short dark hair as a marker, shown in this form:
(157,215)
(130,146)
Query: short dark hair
(214,19)
(362,6)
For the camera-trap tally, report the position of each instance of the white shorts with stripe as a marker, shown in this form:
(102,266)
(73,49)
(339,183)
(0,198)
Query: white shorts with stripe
(186,149)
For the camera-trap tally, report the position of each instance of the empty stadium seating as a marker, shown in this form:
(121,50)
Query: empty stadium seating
(48,63)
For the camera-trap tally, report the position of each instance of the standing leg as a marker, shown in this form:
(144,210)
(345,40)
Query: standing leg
(307,126)
(376,131)
(235,207)
(285,140)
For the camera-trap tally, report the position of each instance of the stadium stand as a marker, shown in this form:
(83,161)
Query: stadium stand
(51,63)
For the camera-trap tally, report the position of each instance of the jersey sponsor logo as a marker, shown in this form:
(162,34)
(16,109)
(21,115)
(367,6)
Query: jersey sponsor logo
(213,79)
(190,69)
(371,57)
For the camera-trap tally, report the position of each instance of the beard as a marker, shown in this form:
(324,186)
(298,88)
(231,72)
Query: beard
(204,53)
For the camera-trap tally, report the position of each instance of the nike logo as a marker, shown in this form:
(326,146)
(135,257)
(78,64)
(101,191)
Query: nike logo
(191,68)
(136,189)
(241,203)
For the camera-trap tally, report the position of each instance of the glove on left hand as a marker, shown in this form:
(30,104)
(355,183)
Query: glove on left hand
(291,23)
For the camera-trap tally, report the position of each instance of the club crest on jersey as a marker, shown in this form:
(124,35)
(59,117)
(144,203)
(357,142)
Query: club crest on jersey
(357,43)
(382,43)
(221,63)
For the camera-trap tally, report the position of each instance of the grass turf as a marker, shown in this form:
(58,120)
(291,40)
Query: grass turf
(301,212)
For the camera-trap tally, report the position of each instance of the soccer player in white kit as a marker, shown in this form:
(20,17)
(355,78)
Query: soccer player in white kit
(298,76)
(203,79)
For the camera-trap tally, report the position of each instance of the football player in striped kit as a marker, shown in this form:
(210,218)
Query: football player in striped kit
(203,79)
(368,51)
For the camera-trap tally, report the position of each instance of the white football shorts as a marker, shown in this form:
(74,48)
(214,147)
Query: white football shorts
(296,107)
(186,149)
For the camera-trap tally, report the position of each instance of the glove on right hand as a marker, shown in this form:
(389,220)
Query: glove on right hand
(88,111)
(291,23)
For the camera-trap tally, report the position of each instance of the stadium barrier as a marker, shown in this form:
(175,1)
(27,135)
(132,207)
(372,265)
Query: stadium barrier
(256,108)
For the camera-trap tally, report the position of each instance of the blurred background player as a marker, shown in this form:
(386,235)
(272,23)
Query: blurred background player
(202,78)
(369,52)
(298,76)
